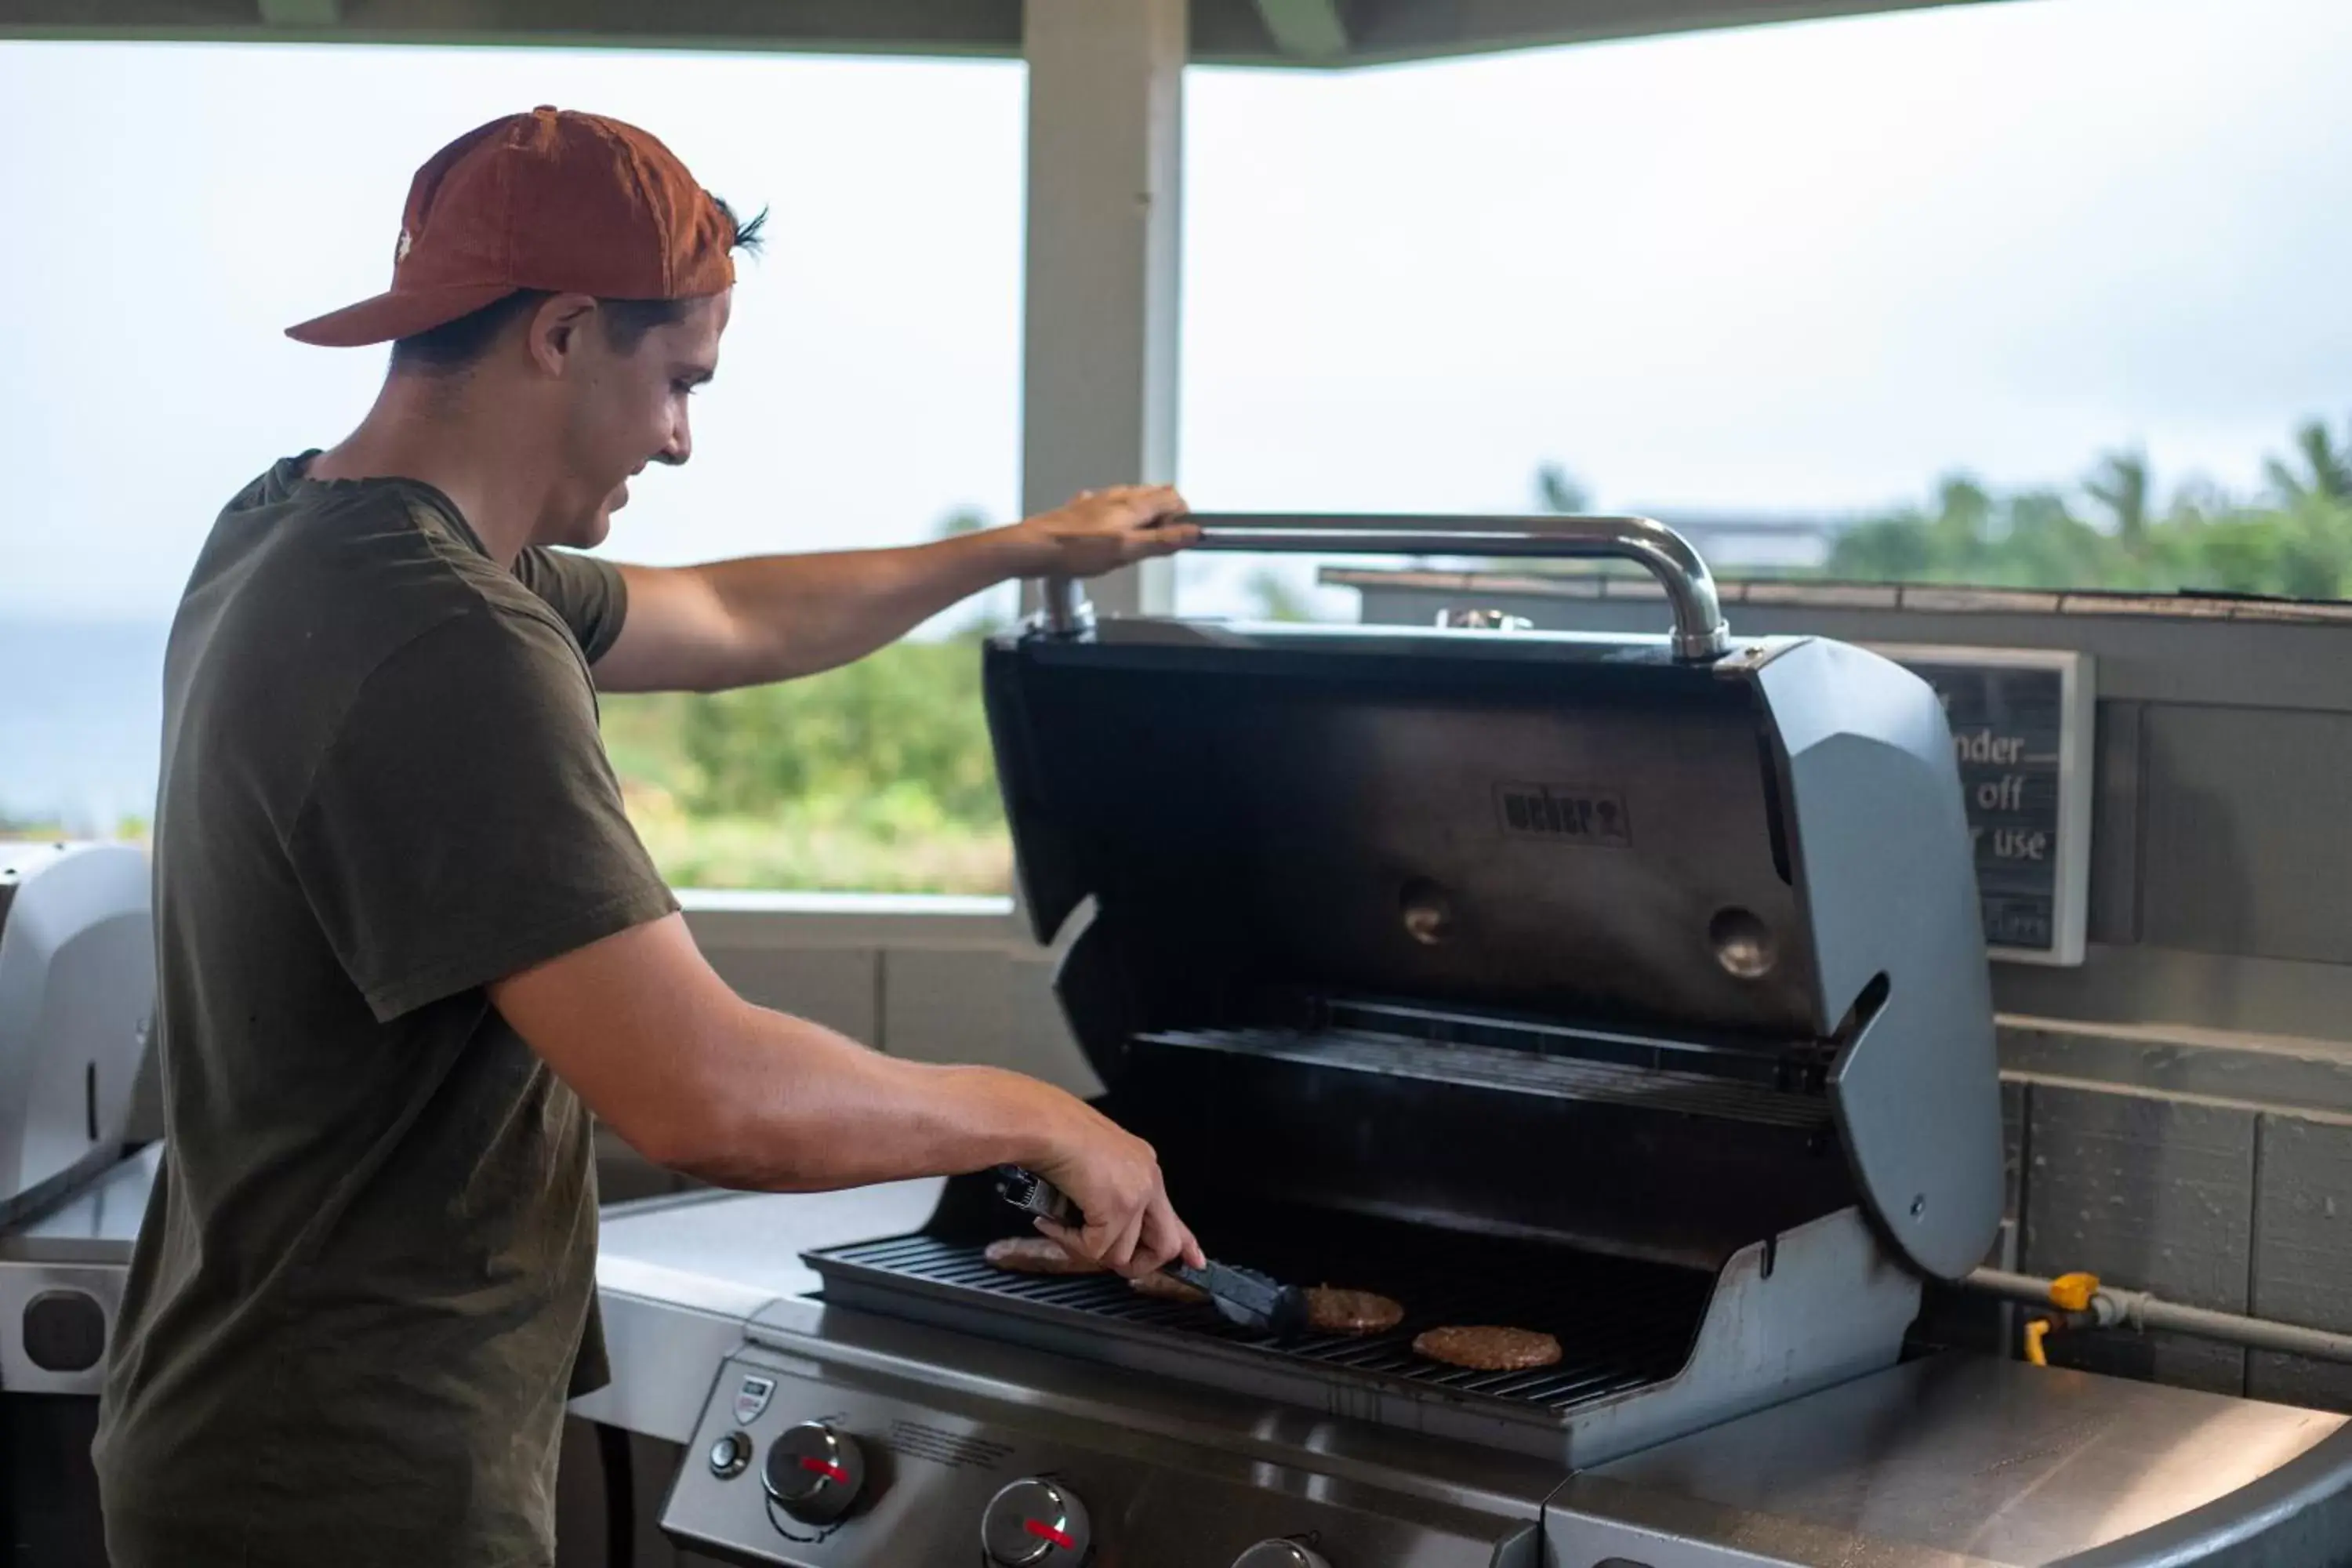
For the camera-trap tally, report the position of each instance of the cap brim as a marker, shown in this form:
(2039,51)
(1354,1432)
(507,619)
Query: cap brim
(396,315)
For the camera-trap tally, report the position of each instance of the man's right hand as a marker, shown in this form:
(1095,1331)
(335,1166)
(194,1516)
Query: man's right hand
(1101,531)
(1114,1178)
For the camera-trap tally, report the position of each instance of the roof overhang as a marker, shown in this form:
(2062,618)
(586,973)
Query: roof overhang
(1291,33)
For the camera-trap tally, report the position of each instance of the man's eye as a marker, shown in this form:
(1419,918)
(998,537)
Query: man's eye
(685,386)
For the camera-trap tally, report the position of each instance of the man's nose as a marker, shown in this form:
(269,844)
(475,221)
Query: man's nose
(679,447)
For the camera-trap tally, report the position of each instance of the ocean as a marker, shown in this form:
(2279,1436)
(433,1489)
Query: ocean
(81,712)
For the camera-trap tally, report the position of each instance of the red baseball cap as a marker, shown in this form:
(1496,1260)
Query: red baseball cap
(550,200)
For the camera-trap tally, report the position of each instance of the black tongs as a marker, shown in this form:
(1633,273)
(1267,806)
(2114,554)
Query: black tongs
(1241,1295)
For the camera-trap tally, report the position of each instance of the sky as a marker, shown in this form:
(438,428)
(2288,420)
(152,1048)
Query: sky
(1803,268)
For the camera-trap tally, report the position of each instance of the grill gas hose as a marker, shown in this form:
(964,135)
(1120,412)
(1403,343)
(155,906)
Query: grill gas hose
(2083,1300)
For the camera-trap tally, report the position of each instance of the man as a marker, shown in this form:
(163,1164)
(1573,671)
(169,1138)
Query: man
(407,940)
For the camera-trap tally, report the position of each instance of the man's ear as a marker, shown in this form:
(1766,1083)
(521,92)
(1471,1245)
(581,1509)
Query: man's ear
(554,330)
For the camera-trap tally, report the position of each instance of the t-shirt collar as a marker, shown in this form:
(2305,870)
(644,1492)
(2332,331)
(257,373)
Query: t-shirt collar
(289,474)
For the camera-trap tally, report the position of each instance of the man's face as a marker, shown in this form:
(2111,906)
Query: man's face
(628,408)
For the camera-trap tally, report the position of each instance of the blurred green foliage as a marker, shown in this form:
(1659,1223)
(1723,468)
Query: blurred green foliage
(2295,542)
(875,777)
(900,734)
(2113,531)
(51,830)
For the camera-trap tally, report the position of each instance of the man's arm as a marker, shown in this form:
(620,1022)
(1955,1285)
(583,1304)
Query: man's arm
(696,1078)
(772,618)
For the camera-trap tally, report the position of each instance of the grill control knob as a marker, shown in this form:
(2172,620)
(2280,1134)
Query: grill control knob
(1035,1523)
(814,1473)
(1280,1554)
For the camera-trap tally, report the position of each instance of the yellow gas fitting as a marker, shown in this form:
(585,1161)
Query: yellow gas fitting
(2036,1331)
(2072,1292)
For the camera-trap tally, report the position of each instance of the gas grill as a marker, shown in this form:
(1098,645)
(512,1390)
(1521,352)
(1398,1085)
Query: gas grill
(1629,992)
(1632,991)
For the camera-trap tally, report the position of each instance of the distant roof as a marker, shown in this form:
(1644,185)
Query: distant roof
(1824,593)
(1310,33)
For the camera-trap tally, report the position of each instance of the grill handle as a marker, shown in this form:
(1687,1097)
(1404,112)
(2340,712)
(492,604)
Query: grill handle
(1699,633)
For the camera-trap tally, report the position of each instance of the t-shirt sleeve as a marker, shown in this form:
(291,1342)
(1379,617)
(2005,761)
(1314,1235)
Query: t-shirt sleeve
(465,824)
(587,595)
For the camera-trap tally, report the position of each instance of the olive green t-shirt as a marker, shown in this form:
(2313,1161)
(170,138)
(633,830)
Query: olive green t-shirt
(366,1278)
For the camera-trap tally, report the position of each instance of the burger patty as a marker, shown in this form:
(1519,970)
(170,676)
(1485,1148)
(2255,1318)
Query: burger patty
(1332,1311)
(1485,1349)
(1168,1288)
(1036,1254)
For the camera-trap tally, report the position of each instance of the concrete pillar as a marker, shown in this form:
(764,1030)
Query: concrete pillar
(1105,238)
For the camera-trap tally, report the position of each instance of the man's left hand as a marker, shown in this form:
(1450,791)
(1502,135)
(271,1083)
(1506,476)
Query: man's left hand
(1101,530)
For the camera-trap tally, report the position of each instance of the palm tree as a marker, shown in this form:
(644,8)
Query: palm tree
(1558,490)
(2328,468)
(2121,483)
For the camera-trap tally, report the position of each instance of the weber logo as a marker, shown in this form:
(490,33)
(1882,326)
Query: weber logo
(1564,814)
(752,1398)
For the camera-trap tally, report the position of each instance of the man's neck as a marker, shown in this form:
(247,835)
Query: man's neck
(427,433)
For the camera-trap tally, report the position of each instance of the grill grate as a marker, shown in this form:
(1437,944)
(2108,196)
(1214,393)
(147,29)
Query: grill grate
(1622,1323)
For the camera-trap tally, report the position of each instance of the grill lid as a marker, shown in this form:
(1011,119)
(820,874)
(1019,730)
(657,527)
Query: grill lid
(1564,827)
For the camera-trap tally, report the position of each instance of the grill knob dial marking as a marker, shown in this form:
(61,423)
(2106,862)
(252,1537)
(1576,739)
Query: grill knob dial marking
(1280,1554)
(1035,1523)
(813,1472)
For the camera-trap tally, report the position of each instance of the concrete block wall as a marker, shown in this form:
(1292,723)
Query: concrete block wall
(2301,1250)
(930,979)
(937,980)
(2148,1189)
(2241,1206)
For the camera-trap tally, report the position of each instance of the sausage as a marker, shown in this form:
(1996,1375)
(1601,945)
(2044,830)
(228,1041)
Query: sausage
(1036,1254)
(1168,1288)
